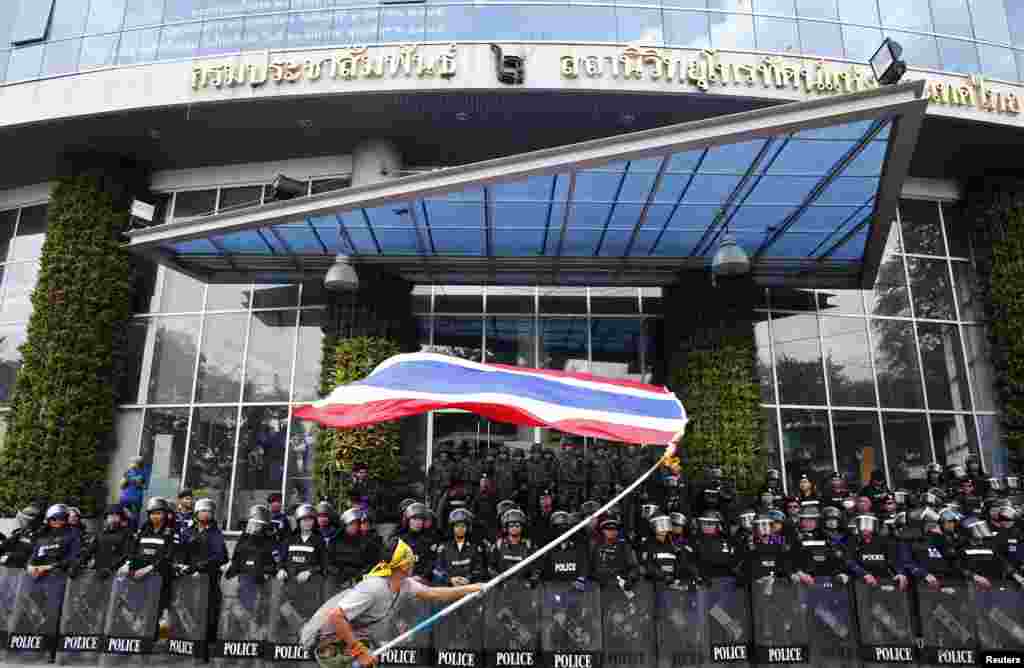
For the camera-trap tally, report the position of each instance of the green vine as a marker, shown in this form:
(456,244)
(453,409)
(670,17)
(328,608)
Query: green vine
(379,446)
(62,417)
(718,385)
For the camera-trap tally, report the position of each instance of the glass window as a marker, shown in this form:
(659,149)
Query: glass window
(32,20)
(259,465)
(951,17)
(106,16)
(211,455)
(228,297)
(459,337)
(220,364)
(818,9)
(979,363)
(174,359)
(357,26)
(310,29)
(848,362)
(25,63)
(180,293)
(301,450)
(806,445)
(563,344)
(777,35)
(959,56)
(275,296)
(861,43)
(781,7)
(614,300)
(823,39)
(5,57)
(458,299)
(11,338)
(841,301)
(968,292)
(911,14)
(264,31)
(639,25)
(98,51)
(138,46)
(957,233)
(195,203)
(143,13)
(28,242)
(314,294)
(998,62)
(732,31)
(68,19)
(996,457)
(510,299)
(179,41)
(889,296)
(164,432)
(798,359)
(918,49)
(7,221)
(268,367)
(221,37)
(183,10)
(858,445)
(859,11)
(770,426)
(563,300)
(955,438)
(61,57)
(929,284)
(19,281)
(944,375)
(764,361)
(907,447)
(687,29)
(511,341)
(990,20)
(135,346)
(617,345)
(217,8)
(307,362)
(330,185)
(922,230)
(1015,17)
(899,380)
(731,5)
(402,24)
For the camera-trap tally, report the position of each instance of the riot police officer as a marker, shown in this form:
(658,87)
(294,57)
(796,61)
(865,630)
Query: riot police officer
(933,554)
(183,513)
(876,485)
(872,556)
(977,475)
(254,552)
(363,492)
(663,561)
(155,544)
(56,545)
(305,555)
(111,546)
(572,484)
(678,529)
(540,527)
(418,538)
(568,561)
(716,556)
(16,550)
(815,553)
(348,555)
(460,560)
(203,550)
(282,526)
(613,559)
(1009,539)
(512,547)
(768,555)
(979,562)
(326,520)
(506,477)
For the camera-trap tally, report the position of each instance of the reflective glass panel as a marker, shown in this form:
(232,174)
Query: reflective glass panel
(614,300)
(911,14)
(781,7)
(25,63)
(7,222)
(996,458)
(764,360)
(264,31)
(227,297)
(861,43)
(922,230)
(563,344)
(191,203)
(28,243)
(990,20)
(806,445)
(617,345)
(1015,18)
(955,438)
(268,366)
(798,359)
(907,447)
(841,301)
(180,293)
(998,62)
(848,361)
(944,375)
(817,9)
(732,31)
(563,300)
(511,299)
(959,56)
(952,17)
(777,35)
(511,341)
(311,29)
(643,26)
(174,359)
(68,19)
(179,41)
(220,364)
(968,292)
(899,379)
(688,30)
(275,296)
(458,299)
(858,445)
(889,296)
(221,37)
(259,461)
(824,39)
(183,10)
(105,16)
(211,455)
(301,449)
(143,12)
(163,449)
(460,337)
(918,49)
(138,46)
(929,284)
(135,346)
(19,280)
(61,57)
(11,338)
(979,364)
(307,361)
(859,11)
(98,51)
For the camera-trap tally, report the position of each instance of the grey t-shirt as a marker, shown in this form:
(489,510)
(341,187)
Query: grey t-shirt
(367,607)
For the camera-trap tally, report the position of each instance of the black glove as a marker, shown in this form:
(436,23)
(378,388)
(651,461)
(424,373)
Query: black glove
(104,573)
(627,583)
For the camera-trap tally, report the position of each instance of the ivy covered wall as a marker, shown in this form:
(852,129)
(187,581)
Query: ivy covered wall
(63,406)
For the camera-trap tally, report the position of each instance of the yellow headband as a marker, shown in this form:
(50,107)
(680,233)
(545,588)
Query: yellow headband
(402,557)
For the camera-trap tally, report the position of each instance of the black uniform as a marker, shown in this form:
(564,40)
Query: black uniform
(108,550)
(568,561)
(504,555)
(980,558)
(934,555)
(422,545)
(254,557)
(56,547)
(667,562)
(309,554)
(611,560)
(818,555)
(467,560)
(877,558)
(762,560)
(716,557)
(156,548)
(348,557)
(17,549)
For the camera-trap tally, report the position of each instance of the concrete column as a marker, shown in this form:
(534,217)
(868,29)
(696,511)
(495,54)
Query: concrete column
(375,160)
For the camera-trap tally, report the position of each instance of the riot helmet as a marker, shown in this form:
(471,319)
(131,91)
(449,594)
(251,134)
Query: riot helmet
(862,504)
(324,514)
(460,516)
(950,519)
(767,498)
(158,504)
(513,517)
(762,526)
(259,520)
(887,502)
(648,510)
(930,520)
(205,505)
(1004,517)
(901,497)
(610,521)
(57,512)
(809,517)
(352,520)
(678,522)
(773,477)
(305,516)
(114,517)
(416,516)
(28,517)
(866,524)
(710,523)
(931,498)
(746,519)
(1012,484)
(832,518)
(837,484)
(590,507)
(560,520)
(661,524)
(933,473)
(977,528)
(973,463)
(506,505)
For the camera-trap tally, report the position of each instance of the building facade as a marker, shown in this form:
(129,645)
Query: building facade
(541,176)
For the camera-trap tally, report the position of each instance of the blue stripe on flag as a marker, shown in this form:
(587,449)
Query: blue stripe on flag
(454,379)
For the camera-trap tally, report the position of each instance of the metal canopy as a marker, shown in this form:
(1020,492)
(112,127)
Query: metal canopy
(807,188)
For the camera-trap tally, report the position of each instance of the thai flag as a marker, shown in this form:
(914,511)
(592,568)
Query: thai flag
(577,403)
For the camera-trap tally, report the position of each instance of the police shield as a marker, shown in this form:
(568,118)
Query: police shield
(628,624)
(33,627)
(416,651)
(81,622)
(512,638)
(10,584)
(886,631)
(459,636)
(728,622)
(131,620)
(241,630)
(779,625)
(831,632)
(1000,615)
(291,604)
(184,640)
(571,626)
(681,626)
(948,626)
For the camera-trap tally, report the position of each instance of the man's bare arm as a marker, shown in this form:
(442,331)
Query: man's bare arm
(447,593)
(342,629)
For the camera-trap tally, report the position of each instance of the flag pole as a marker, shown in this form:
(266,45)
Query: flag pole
(670,454)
